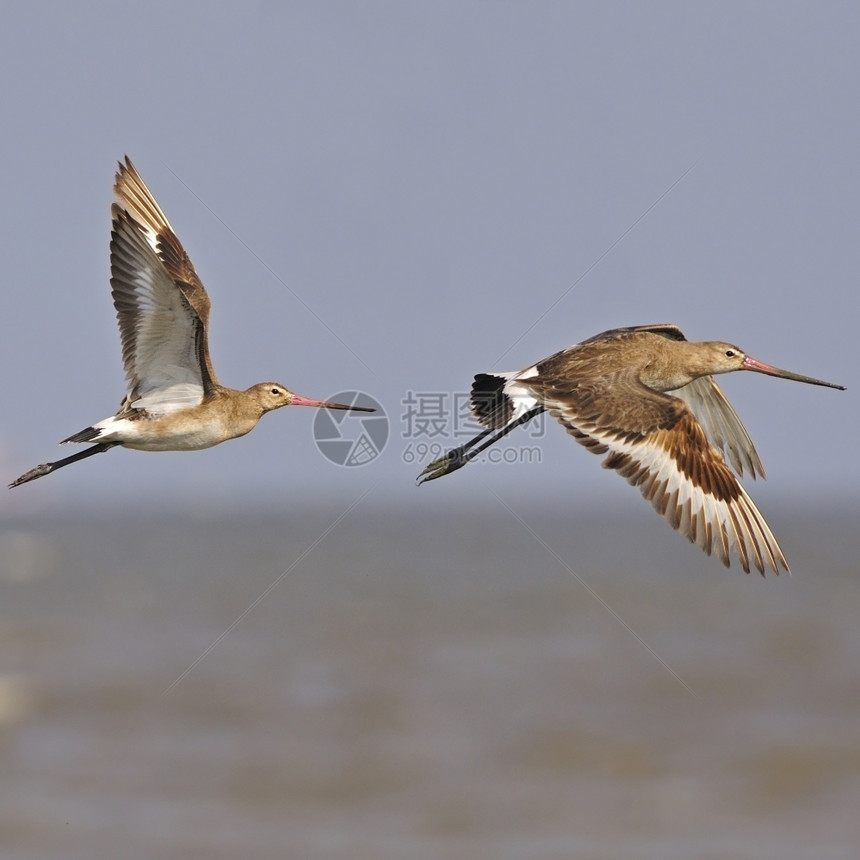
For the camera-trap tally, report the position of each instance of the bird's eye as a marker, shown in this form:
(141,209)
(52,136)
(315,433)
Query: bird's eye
(730,353)
(276,391)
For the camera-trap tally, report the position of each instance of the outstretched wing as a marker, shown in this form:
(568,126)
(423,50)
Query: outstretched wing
(162,307)
(722,424)
(655,441)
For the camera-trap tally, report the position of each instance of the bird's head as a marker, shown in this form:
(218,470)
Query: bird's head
(719,357)
(273,395)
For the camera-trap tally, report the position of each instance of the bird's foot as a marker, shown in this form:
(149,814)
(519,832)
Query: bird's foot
(37,472)
(443,465)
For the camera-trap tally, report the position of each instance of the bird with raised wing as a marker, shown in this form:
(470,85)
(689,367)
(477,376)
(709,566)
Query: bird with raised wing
(174,400)
(646,397)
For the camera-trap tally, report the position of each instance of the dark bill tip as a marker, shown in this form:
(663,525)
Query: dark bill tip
(751,363)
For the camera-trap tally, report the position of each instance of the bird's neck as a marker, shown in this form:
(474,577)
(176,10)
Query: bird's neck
(239,408)
(675,366)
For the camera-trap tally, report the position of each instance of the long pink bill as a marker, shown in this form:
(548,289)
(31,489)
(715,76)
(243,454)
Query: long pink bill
(760,367)
(298,400)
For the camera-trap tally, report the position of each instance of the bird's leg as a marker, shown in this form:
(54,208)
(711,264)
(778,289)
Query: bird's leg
(458,457)
(454,459)
(47,468)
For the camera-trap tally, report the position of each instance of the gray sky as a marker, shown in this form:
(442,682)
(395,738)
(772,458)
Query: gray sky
(391,196)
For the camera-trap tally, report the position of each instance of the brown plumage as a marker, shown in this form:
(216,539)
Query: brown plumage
(611,393)
(174,400)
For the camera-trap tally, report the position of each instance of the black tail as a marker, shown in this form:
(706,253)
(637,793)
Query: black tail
(88,434)
(490,405)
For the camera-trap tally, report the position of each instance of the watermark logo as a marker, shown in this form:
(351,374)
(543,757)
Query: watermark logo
(434,422)
(431,424)
(351,438)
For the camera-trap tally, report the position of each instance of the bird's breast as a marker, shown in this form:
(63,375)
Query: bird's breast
(188,430)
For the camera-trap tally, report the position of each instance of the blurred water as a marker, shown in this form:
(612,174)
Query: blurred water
(431,688)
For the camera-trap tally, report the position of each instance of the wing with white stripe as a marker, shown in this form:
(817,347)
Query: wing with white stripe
(161,304)
(655,442)
(158,328)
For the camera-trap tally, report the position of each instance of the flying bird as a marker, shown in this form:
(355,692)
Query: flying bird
(174,400)
(645,397)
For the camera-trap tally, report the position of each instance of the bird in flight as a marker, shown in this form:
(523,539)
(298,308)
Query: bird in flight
(174,400)
(645,397)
